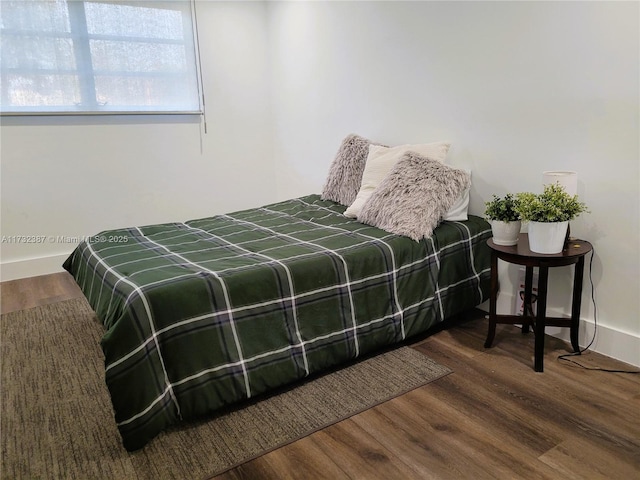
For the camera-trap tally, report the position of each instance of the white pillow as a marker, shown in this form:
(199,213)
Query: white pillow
(460,209)
(381,160)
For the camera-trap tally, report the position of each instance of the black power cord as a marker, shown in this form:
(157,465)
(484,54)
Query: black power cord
(567,356)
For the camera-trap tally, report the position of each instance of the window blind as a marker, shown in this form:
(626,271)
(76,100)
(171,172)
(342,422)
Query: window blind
(98,56)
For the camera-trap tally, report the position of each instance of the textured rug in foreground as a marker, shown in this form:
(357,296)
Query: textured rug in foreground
(57,420)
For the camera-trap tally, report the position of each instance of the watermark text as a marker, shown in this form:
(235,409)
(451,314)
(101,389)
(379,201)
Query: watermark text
(63,239)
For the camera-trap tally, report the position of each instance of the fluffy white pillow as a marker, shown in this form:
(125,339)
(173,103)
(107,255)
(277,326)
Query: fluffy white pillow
(414,197)
(345,173)
(381,160)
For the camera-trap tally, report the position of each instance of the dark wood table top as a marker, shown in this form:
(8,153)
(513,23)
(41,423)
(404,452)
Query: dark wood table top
(521,254)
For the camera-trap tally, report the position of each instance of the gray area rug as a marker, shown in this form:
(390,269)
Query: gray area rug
(57,422)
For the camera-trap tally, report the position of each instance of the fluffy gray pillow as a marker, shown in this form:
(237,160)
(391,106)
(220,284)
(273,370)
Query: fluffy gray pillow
(345,173)
(414,196)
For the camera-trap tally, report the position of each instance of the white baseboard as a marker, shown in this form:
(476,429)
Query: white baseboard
(608,341)
(623,346)
(32,267)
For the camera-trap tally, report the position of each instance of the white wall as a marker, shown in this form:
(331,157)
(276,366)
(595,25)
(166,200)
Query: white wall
(79,176)
(518,87)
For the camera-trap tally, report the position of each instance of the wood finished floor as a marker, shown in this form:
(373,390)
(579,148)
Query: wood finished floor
(493,418)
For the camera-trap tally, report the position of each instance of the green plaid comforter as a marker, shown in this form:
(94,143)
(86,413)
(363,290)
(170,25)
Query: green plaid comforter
(210,312)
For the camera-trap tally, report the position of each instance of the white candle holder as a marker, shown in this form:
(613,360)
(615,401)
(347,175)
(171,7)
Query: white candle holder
(566,178)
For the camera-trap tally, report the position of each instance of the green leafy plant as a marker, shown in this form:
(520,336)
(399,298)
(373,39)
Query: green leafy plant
(502,209)
(554,204)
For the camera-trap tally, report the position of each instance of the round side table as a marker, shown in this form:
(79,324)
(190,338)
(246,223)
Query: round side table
(520,254)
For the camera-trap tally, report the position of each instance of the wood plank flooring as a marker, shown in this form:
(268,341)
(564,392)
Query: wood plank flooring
(36,291)
(493,418)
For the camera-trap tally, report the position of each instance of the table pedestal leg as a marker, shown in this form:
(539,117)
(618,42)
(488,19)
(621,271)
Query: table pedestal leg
(493,300)
(575,304)
(543,276)
(527,301)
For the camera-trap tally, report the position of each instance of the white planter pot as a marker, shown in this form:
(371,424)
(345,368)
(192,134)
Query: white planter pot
(505,233)
(547,237)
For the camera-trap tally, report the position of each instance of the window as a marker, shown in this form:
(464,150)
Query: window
(97,56)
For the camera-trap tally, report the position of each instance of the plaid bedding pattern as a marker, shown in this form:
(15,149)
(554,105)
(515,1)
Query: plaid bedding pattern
(207,313)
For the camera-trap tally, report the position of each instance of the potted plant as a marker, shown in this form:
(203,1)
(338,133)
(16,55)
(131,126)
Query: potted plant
(548,214)
(503,214)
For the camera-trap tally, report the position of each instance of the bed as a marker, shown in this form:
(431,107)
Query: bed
(208,313)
